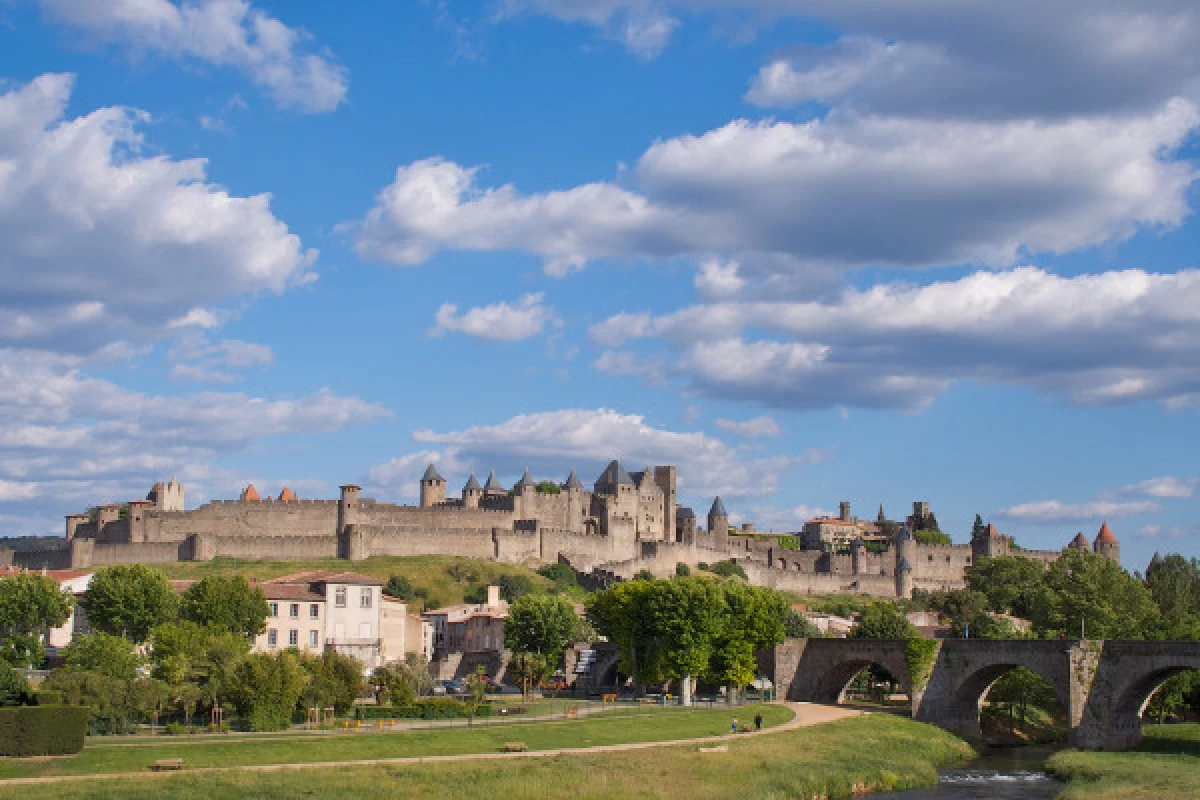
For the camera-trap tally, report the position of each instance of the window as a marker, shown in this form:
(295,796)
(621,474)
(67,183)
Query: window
(314,611)
(274,609)
(312,638)
(272,637)
(339,597)
(364,599)
(293,637)
(294,611)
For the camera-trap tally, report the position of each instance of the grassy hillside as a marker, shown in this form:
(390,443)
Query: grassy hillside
(445,579)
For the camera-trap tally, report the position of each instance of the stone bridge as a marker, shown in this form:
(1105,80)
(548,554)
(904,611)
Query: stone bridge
(1103,685)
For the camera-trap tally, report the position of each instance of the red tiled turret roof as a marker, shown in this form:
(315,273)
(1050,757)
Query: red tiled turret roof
(1080,542)
(287,496)
(250,494)
(1105,536)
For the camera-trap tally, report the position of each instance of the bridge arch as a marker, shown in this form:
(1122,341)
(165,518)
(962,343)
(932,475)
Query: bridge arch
(819,670)
(966,705)
(1126,678)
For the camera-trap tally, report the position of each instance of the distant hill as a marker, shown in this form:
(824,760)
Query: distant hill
(24,544)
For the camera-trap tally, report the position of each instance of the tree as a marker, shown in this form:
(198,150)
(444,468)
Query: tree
(754,619)
(334,679)
(1010,583)
(30,605)
(883,620)
(1090,591)
(543,626)
(184,653)
(798,626)
(547,487)
(685,615)
(644,575)
(513,587)
(1019,690)
(266,688)
(1174,583)
(931,536)
(682,570)
(392,686)
(103,653)
(621,614)
(129,600)
(399,587)
(562,574)
(727,569)
(227,602)
(13,686)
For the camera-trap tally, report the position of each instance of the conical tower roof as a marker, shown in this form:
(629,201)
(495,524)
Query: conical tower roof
(1105,536)
(718,508)
(904,535)
(431,474)
(526,480)
(472,484)
(250,494)
(614,473)
(493,484)
(287,496)
(1080,542)
(573,481)
(904,566)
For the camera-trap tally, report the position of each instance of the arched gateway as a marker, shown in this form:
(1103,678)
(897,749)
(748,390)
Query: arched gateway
(1104,686)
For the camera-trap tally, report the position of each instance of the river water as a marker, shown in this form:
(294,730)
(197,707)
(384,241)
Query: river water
(1001,773)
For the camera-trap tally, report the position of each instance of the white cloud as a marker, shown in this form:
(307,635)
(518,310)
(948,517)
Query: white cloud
(1049,512)
(88,225)
(719,279)
(1116,337)
(1168,487)
(552,443)
(498,322)
(226,33)
(785,198)
(756,428)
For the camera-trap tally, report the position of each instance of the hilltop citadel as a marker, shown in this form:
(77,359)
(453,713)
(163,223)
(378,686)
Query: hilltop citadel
(627,522)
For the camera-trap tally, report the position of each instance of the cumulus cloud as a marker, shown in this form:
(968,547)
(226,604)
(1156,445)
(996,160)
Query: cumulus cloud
(1168,487)
(498,322)
(224,33)
(1115,337)
(89,226)
(757,428)
(552,443)
(785,198)
(1051,512)
(67,438)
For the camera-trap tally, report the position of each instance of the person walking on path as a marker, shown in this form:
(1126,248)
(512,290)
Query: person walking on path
(758,721)
(733,728)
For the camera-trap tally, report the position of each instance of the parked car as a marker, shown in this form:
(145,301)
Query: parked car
(452,687)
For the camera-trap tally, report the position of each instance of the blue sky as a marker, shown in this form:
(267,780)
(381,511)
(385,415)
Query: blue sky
(806,250)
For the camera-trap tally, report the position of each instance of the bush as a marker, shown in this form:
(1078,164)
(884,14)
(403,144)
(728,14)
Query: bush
(436,708)
(513,587)
(682,570)
(265,689)
(176,729)
(13,686)
(399,587)
(562,574)
(46,697)
(42,730)
(727,569)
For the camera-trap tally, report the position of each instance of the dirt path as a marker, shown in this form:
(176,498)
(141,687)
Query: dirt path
(806,715)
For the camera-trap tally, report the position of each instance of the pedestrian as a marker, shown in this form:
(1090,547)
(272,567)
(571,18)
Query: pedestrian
(733,728)
(758,722)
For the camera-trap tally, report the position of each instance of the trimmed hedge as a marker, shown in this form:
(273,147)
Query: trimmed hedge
(43,730)
(440,708)
(47,697)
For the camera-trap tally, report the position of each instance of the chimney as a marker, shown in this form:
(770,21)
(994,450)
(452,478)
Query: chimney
(845,509)
(493,596)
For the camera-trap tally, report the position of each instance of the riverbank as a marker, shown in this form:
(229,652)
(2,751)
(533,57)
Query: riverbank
(875,752)
(1165,766)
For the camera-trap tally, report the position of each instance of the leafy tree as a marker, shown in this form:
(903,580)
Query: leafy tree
(1173,695)
(562,574)
(798,626)
(103,653)
(265,689)
(227,602)
(621,614)
(547,487)
(1019,690)
(392,686)
(334,679)
(416,670)
(727,569)
(1010,583)
(682,570)
(883,620)
(1088,588)
(754,619)
(30,605)
(184,653)
(1174,583)
(13,686)
(399,587)
(129,600)
(513,587)
(644,575)
(543,626)
(685,614)
(931,536)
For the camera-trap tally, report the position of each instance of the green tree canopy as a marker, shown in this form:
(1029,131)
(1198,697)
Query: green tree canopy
(30,605)
(1174,583)
(184,653)
(883,620)
(543,626)
(227,602)
(754,619)
(334,679)
(13,686)
(932,536)
(266,688)
(108,655)
(513,587)
(798,626)
(129,600)
(1095,591)
(1010,583)
(399,587)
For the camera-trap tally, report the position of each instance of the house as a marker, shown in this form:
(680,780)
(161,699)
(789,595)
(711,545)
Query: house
(317,611)
(404,632)
(469,627)
(74,581)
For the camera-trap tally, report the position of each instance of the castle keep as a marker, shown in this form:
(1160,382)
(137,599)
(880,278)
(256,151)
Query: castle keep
(628,522)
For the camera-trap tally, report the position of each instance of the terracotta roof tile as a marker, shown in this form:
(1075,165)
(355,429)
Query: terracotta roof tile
(250,494)
(287,496)
(1105,536)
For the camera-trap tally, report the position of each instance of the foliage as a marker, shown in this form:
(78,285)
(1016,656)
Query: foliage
(541,626)
(883,620)
(754,619)
(13,686)
(798,626)
(463,572)
(513,587)
(1174,583)
(433,708)
(30,605)
(1177,692)
(644,575)
(1020,690)
(399,587)
(1011,584)
(334,680)
(103,653)
(562,574)
(547,487)
(1083,586)
(42,730)
(265,688)
(727,569)
(129,600)
(931,536)
(228,602)
(920,655)
(392,686)
(184,654)
(117,704)
(682,570)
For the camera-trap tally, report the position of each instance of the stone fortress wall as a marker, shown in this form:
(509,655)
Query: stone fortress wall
(627,523)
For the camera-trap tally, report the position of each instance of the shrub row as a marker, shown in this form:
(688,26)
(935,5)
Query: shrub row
(42,730)
(440,708)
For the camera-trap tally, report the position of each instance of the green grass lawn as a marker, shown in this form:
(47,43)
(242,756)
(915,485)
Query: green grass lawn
(1165,766)
(875,752)
(431,573)
(643,725)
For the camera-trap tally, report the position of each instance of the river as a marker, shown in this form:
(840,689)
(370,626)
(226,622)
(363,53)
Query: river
(999,774)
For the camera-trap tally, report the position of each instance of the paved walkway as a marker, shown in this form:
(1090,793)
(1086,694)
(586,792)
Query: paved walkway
(805,715)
